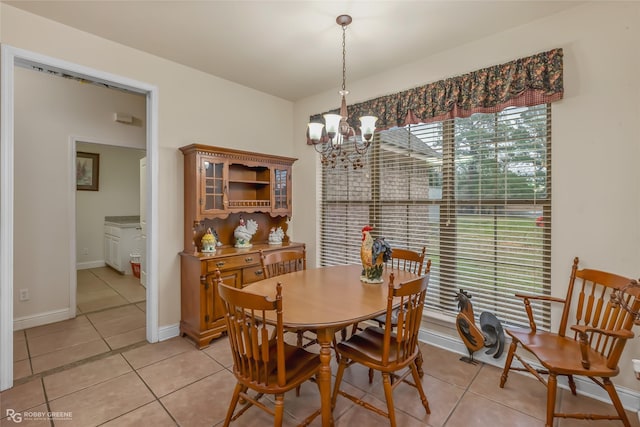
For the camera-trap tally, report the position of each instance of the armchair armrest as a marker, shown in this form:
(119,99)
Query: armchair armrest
(527,305)
(541,298)
(623,333)
(583,334)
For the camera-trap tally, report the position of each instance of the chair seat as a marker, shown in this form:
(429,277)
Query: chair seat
(383,318)
(366,347)
(561,354)
(300,366)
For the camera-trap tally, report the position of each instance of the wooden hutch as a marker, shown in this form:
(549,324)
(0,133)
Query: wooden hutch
(220,186)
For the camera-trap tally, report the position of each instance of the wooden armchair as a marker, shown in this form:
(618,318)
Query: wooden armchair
(386,350)
(592,333)
(260,363)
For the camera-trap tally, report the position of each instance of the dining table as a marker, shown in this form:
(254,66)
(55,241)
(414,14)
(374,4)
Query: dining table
(326,300)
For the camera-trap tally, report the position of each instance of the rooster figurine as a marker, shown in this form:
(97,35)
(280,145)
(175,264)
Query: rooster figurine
(244,232)
(490,333)
(373,253)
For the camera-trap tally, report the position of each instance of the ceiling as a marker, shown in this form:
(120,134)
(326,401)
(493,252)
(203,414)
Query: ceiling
(292,49)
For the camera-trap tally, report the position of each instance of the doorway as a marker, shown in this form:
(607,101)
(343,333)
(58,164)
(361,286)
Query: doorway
(11,58)
(109,233)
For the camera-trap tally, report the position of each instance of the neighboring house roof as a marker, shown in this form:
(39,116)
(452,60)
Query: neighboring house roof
(399,139)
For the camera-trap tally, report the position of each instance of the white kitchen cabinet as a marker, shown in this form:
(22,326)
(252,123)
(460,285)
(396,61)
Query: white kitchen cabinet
(121,239)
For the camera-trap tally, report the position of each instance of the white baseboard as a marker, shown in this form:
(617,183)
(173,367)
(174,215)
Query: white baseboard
(26,322)
(169,331)
(89,264)
(630,398)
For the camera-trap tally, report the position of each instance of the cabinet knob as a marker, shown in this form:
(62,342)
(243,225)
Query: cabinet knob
(248,259)
(219,263)
(258,272)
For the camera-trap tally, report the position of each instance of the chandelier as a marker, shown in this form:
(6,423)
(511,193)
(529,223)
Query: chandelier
(338,131)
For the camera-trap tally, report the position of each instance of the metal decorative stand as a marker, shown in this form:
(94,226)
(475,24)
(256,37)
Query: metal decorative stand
(622,296)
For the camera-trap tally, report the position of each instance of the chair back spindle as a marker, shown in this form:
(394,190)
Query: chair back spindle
(596,309)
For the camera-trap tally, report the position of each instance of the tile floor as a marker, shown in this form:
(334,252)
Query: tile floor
(171,383)
(110,316)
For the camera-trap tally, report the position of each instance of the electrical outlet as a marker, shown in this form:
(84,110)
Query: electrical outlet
(85,251)
(24,294)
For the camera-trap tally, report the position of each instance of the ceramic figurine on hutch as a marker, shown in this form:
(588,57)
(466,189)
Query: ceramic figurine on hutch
(373,253)
(275,236)
(244,232)
(208,242)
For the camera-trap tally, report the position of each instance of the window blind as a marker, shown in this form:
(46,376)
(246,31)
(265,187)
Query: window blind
(475,191)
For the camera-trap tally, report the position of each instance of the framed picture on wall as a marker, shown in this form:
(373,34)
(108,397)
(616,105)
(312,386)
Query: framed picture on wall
(87,171)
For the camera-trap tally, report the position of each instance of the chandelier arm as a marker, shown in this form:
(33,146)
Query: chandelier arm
(325,148)
(361,148)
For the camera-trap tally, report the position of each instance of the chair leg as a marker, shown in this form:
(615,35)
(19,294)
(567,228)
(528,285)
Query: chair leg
(388,394)
(613,394)
(507,363)
(418,382)
(232,404)
(334,342)
(552,387)
(370,376)
(354,329)
(279,410)
(300,344)
(572,384)
(338,380)
(419,363)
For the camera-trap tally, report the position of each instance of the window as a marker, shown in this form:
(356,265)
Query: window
(475,191)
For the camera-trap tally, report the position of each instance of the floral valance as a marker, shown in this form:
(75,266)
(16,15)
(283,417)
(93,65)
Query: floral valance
(524,82)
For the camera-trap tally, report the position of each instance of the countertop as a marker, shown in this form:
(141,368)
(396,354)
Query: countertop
(122,221)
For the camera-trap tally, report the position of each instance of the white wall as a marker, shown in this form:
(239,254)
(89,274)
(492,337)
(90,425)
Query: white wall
(192,107)
(49,111)
(119,195)
(595,147)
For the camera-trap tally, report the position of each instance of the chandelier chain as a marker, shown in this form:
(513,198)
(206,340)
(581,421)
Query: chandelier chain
(344,58)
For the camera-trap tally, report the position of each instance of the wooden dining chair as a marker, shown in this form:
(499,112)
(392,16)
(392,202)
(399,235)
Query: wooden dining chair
(388,350)
(588,342)
(282,262)
(402,259)
(262,361)
(408,260)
